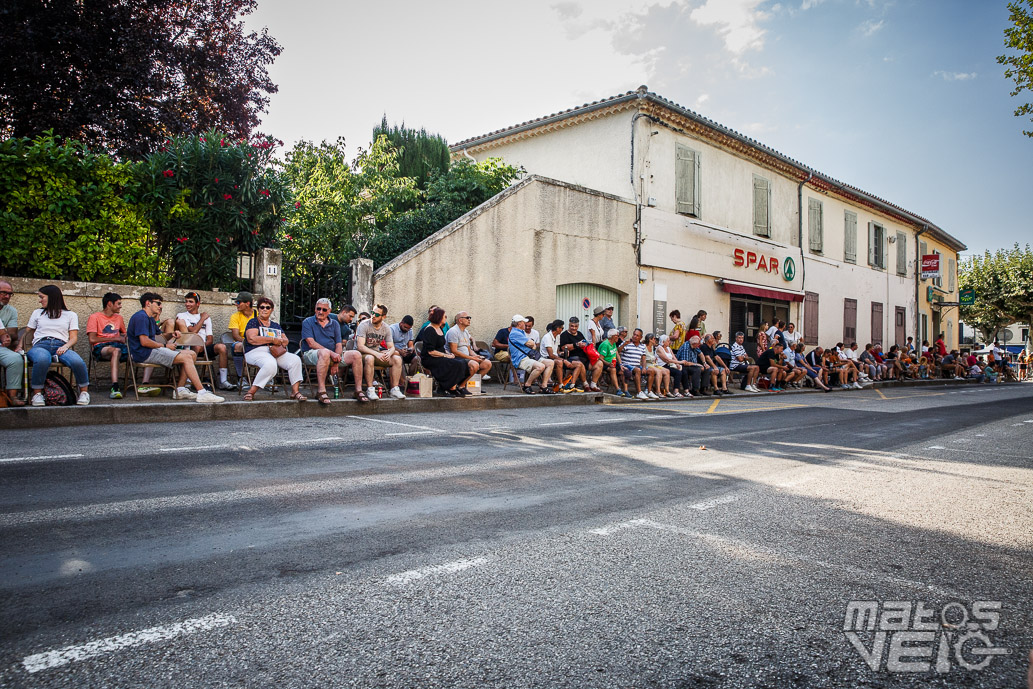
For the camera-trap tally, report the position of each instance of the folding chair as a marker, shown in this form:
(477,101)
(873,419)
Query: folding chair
(55,364)
(131,367)
(203,364)
(231,352)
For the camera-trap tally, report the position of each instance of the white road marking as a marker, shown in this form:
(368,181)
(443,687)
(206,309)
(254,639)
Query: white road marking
(412,575)
(40,458)
(393,423)
(406,433)
(70,654)
(614,528)
(709,504)
(558,423)
(191,449)
(936,447)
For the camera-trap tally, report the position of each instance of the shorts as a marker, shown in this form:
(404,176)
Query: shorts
(740,367)
(377,363)
(629,370)
(162,356)
(527,364)
(310,357)
(120,346)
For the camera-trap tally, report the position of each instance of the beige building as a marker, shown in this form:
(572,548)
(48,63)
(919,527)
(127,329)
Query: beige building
(636,201)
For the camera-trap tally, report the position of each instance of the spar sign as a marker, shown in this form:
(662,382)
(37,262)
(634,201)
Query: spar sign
(930,266)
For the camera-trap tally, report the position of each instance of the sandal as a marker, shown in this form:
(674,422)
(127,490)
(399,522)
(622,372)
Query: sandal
(529,390)
(323,397)
(248,397)
(361,396)
(298,397)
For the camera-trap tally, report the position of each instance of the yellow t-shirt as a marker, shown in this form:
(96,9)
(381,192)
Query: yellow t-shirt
(239,321)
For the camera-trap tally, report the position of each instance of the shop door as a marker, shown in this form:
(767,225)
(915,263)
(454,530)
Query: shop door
(571,300)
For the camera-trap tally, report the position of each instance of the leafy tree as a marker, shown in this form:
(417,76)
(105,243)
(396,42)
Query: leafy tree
(126,74)
(1019,63)
(209,198)
(989,276)
(1019,287)
(420,154)
(340,207)
(68,213)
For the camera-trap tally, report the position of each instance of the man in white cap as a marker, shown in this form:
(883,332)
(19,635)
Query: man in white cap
(607,321)
(522,355)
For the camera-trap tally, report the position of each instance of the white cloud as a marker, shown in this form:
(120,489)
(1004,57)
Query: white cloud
(955,76)
(871,26)
(701,99)
(568,10)
(736,20)
(808,4)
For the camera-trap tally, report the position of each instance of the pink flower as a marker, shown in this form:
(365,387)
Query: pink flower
(222,142)
(216,240)
(242,212)
(226,197)
(181,240)
(288,237)
(201,139)
(235,186)
(254,231)
(216,180)
(169,173)
(209,203)
(297,204)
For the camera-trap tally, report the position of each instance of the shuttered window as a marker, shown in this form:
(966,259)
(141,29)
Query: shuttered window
(951,270)
(876,322)
(687,176)
(901,253)
(810,318)
(850,237)
(877,245)
(849,321)
(939,281)
(761,207)
(815,229)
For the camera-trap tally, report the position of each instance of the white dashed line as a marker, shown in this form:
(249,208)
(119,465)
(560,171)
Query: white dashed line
(412,575)
(192,449)
(386,435)
(393,423)
(709,504)
(72,654)
(614,528)
(558,423)
(936,447)
(40,458)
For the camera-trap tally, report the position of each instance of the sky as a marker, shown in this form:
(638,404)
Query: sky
(901,98)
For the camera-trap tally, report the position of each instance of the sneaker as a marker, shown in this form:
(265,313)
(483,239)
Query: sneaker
(38,401)
(652,395)
(205,397)
(857,386)
(485,378)
(397,393)
(183,394)
(371,393)
(115,393)
(84,399)
(568,388)
(641,396)
(727,392)
(578,388)
(225,385)
(148,391)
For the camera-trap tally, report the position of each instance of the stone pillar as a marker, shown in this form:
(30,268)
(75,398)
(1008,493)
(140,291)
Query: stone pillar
(361,283)
(267,277)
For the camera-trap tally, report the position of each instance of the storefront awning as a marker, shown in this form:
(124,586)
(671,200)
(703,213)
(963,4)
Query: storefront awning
(747,289)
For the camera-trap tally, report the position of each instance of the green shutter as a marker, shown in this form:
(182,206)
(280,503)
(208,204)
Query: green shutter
(814,221)
(901,253)
(871,244)
(850,237)
(761,207)
(687,180)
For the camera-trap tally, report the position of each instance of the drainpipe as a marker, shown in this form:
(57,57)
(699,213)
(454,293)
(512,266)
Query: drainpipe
(638,222)
(465,153)
(918,287)
(799,231)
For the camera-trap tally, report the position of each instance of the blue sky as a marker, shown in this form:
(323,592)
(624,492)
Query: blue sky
(903,99)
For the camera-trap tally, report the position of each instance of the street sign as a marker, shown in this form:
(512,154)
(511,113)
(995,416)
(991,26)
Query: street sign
(967,297)
(930,266)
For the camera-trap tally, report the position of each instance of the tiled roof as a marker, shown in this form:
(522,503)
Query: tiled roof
(644,94)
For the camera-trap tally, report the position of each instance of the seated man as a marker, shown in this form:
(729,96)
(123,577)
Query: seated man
(237,327)
(633,363)
(107,333)
(815,372)
(690,356)
(572,344)
(501,343)
(146,350)
(373,340)
(741,363)
(770,363)
(610,358)
(951,365)
(190,321)
(794,375)
(460,342)
(405,343)
(323,347)
(815,360)
(521,353)
(551,348)
(718,369)
(11,347)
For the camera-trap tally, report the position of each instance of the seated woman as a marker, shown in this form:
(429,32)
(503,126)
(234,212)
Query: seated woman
(450,373)
(54,330)
(678,375)
(659,375)
(265,346)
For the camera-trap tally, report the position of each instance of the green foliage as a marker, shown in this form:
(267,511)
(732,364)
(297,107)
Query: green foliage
(340,207)
(209,197)
(1003,282)
(1019,64)
(420,155)
(67,213)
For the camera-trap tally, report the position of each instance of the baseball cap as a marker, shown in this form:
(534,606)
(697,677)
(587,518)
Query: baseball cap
(517,318)
(598,310)
(245,296)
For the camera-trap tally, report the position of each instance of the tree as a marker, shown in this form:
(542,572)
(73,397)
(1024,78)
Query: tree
(1019,64)
(127,75)
(210,198)
(1019,286)
(340,207)
(68,213)
(420,155)
(989,276)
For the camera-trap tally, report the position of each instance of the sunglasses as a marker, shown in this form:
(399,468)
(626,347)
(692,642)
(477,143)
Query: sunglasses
(322,308)
(157,303)
(6,293)
(377,314)
(265,307)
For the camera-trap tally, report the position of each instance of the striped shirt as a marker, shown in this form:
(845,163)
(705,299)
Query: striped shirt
(739,351)
(632,354)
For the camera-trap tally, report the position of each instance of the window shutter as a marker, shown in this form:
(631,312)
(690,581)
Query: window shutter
(761,207)
(814,224)
(686,168)
(922,249)
(884,264)
(810,318)
(950,275)
(696,192)
(871,244)
(850,237)
(901,253)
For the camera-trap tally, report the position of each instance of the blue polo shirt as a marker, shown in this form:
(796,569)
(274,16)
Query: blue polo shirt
(329,335)
(140,324)
(517,346)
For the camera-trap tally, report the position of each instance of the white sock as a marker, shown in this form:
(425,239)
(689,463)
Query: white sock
(223,373)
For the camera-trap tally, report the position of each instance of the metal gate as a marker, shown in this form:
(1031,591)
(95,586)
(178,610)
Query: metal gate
(580,298)
(302,284)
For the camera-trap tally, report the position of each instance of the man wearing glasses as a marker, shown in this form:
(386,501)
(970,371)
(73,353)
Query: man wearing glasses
(10,345)
(460,342)
(373,339)
(238,326)
(322,345)
(193,320)
(142,330)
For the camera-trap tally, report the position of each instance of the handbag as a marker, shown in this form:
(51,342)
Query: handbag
(529,352)
(277,350)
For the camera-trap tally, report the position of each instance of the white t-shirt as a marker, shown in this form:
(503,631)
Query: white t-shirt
(550,341)
(850,354)
(595,332)
(771,332)
(191,320)
(461,338)
(791,337)
(59,327)
(534,336)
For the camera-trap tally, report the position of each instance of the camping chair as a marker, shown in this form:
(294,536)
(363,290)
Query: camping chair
(131,367)
(55,364)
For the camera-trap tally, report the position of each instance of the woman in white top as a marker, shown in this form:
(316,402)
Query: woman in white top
(666,356)
(54,330)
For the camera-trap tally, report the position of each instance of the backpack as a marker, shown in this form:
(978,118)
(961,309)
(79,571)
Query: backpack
(57,391)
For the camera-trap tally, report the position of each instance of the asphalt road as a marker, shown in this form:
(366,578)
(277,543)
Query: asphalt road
(686,544)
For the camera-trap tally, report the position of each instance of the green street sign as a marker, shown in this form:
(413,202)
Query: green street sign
(967,297)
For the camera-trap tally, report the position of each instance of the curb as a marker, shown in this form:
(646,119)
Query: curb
(171,412)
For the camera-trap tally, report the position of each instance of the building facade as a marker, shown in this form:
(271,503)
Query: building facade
(716,221)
